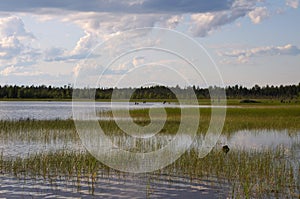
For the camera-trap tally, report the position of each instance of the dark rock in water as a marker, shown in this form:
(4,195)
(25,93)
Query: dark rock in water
(225,149)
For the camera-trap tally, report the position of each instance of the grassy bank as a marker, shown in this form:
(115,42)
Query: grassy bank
(246,118)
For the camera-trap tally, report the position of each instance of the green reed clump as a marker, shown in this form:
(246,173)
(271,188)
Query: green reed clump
(53,165)
(25,124)
(38,130)
(251,174)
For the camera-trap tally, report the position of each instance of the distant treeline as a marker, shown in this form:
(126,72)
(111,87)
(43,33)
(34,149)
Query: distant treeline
(154,92)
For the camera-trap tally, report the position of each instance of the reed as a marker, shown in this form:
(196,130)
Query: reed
(250,174)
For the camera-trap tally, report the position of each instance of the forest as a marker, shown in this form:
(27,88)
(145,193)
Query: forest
(282,92)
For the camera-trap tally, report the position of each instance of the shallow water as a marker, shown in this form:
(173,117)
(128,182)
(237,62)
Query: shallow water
(111,185)
(260,139)
(242,140)
(126,185)
(23,149)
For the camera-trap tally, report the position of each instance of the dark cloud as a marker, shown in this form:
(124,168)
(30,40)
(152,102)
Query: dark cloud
(186,6)
(122,6)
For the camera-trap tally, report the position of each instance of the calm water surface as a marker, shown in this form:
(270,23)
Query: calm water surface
(14,110)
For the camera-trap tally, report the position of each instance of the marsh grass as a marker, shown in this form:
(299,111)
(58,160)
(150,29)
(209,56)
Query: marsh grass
(245,118)
(280,118)
(252,174)
(249,174)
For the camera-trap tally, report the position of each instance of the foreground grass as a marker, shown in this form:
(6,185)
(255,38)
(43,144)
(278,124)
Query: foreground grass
(249,174)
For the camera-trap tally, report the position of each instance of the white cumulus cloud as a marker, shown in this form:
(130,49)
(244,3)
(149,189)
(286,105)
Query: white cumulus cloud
(9,70)
(19,71)
(258,14)
(16,43)
(13,25)
(292,3)
(243,56)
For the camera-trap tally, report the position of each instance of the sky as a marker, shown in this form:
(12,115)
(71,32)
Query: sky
(54,42)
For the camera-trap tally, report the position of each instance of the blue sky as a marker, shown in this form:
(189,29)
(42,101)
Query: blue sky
(252,42)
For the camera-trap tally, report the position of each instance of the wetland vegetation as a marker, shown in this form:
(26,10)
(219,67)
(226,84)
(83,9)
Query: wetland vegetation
(267,172)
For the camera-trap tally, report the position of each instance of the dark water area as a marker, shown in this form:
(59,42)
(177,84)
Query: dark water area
(113,186)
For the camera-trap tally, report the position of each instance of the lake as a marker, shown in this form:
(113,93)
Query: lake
(37,160)
(40,110)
